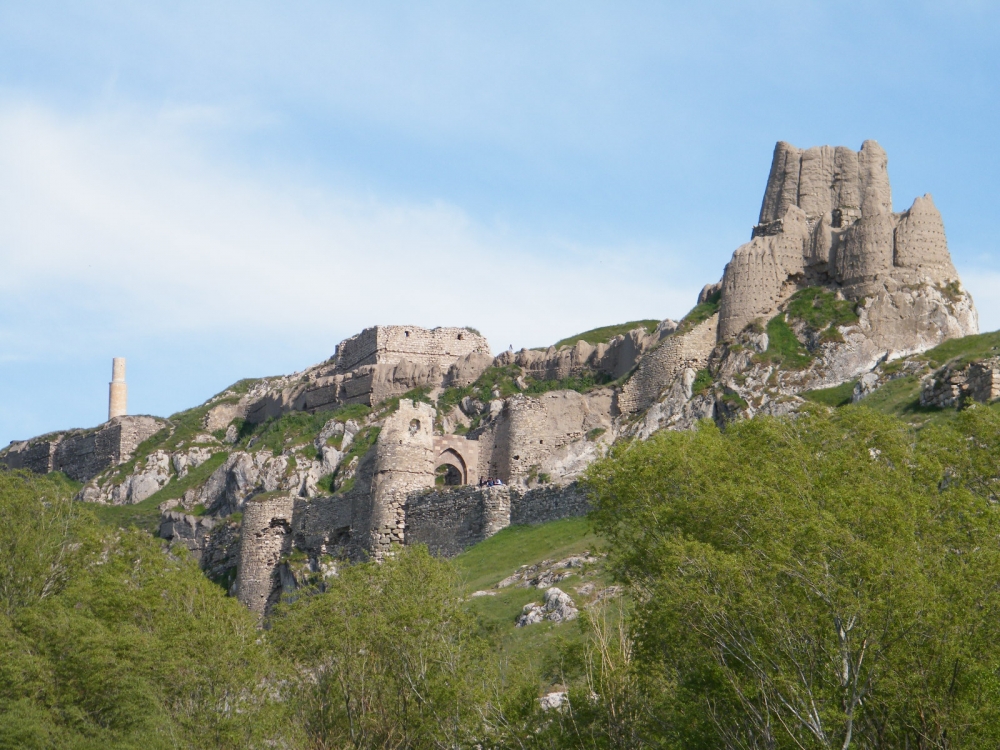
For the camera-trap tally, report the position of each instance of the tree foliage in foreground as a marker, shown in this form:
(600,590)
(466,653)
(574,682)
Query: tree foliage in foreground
(107,641)
(831,580)
(818,582)
(388,657)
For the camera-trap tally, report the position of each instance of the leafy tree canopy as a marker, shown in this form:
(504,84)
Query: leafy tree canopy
(824,581)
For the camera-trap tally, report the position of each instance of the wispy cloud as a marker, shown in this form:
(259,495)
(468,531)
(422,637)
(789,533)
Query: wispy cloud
(119,217)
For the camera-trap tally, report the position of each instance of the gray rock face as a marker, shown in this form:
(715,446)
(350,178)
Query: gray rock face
(556,607)
(613,359)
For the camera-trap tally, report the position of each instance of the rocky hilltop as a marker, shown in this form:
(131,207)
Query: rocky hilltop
(275,481)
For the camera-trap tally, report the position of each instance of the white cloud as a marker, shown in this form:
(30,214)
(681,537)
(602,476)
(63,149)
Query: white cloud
(117,220)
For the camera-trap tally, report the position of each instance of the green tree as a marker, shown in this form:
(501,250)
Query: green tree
(388,657)
(113,642)
(824,581)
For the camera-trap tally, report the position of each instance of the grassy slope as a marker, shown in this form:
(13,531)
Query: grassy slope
(605,334)
(489,562)
(901,397)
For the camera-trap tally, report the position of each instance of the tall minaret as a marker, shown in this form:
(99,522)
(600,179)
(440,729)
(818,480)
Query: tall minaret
(117,401)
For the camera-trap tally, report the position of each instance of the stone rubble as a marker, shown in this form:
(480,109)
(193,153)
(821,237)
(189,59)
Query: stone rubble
(557,606)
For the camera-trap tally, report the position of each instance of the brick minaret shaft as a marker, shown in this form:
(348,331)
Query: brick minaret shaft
(118,396)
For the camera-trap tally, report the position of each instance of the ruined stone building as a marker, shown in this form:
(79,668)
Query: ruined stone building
(826,224)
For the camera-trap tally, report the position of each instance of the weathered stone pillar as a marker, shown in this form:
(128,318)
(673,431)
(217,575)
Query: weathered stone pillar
(118,396)
(404,462)
(265,535)
(496,509)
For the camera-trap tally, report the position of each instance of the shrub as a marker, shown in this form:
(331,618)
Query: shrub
(702,382)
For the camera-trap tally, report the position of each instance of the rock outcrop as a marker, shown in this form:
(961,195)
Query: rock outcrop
(827,219)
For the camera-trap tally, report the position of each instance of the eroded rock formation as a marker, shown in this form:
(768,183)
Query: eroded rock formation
(410,470)
(827,220)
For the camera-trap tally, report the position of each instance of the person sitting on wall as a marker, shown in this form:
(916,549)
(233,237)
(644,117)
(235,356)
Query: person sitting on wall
(481,481)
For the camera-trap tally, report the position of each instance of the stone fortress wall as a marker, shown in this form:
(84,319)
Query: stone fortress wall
(449,520)
(381,345)
(379,363)
(827,219)
(265,537)
(82,454)
(543,434)
(659,368)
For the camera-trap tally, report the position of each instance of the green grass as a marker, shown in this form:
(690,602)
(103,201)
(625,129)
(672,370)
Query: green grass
(503,553)
(702,382)
(502,379)
(783,347)
(820,309)
(536,646)
(581,383)
(296,428)
(966,349)
(146,515)
(839,395)
(604,334)
(361,444)
(391,405)
(699,314)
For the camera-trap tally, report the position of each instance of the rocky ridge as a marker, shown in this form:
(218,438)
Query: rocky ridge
(272,481)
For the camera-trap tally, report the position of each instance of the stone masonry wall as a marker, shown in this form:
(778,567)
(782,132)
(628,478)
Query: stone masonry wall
(951,386)
(404,463)
(83,454)
(658,368)
(532,432)
(544,504)
(393,344)
(453,519)
(266,536)
(449,520)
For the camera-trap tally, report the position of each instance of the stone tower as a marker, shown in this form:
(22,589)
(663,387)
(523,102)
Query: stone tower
(118,396)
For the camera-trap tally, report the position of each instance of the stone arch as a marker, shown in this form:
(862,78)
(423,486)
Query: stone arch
(457,469)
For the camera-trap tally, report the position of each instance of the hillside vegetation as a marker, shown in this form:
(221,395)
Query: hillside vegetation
(899,394)
(831,580)
(604,334)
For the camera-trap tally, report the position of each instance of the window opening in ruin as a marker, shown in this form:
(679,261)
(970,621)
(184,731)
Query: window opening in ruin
(414,426)
(461,337)
(406,334)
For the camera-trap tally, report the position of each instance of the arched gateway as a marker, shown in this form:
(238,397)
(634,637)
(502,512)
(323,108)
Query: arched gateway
(456,459)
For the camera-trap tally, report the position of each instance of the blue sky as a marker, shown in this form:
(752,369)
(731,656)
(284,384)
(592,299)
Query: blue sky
(223,190)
